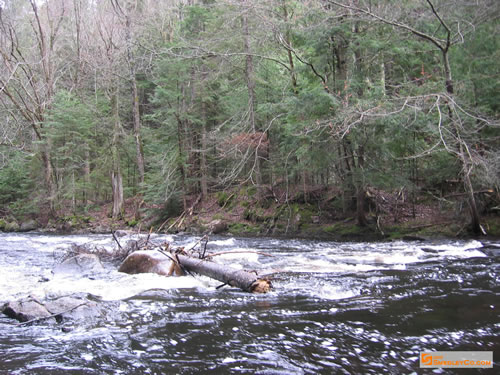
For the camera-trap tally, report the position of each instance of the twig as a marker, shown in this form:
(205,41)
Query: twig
(147,238)
(198,242)
(51,316)
(378,225)
(204,248)
(227,200)
(239,252)
(167,255)
(116,239)
(220,286)
(173,224)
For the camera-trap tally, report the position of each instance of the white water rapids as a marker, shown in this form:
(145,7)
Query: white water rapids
(335,308)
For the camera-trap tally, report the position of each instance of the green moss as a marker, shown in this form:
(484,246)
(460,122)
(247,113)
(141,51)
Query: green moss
(12,227)
(301,215)
(492,226)
(3,223)
(132,222)
(242,228)
(256,215)
(249,191)
(346,229)
(218,216)
(76,221)
(224,199)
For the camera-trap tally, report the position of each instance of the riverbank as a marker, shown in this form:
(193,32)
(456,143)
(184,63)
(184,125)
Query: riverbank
(318,215)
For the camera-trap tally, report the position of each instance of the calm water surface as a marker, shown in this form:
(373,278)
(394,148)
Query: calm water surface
(346,308)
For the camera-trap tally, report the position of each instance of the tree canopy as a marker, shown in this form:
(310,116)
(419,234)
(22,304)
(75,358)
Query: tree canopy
(167,100)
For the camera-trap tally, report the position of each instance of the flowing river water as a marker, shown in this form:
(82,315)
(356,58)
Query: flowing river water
(346,308)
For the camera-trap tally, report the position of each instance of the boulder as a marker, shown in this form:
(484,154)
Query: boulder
(83,264)
(25,310)
(28,226)
(217,226)
(58,309)
(146,261)
(12,227)
(122,233)
(76,307)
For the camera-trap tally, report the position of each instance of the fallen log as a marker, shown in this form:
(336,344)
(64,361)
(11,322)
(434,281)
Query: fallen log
(244,280)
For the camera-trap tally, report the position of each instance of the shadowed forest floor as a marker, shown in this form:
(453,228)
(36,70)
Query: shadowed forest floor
(322,214)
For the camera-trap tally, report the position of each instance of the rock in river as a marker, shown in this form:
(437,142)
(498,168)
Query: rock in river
(59,309)
(83,264)
(146,261)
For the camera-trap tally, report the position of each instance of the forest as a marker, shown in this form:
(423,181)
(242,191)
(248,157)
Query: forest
(146,109)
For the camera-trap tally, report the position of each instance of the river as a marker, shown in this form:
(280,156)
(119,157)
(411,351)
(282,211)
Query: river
(346,308)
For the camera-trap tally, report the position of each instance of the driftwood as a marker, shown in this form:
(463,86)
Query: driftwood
(187,261)
(244,280)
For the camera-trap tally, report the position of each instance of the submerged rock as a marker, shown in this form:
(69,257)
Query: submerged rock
(60,309)
(146,261)
(83,264)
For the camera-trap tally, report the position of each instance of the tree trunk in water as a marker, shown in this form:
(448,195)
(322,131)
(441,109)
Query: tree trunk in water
(247,281)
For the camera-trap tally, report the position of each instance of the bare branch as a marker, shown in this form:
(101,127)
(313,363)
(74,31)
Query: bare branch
(439,43)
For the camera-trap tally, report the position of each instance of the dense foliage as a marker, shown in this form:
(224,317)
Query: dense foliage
(168,100)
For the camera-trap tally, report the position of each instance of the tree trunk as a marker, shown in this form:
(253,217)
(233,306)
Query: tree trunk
(180,148)
(359,182)
(360,190)
(463,155)
(50,184)
(293,75)
(137,131)
(86,177)
(247,281)
(250,80)
(116,175)
(203,160)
